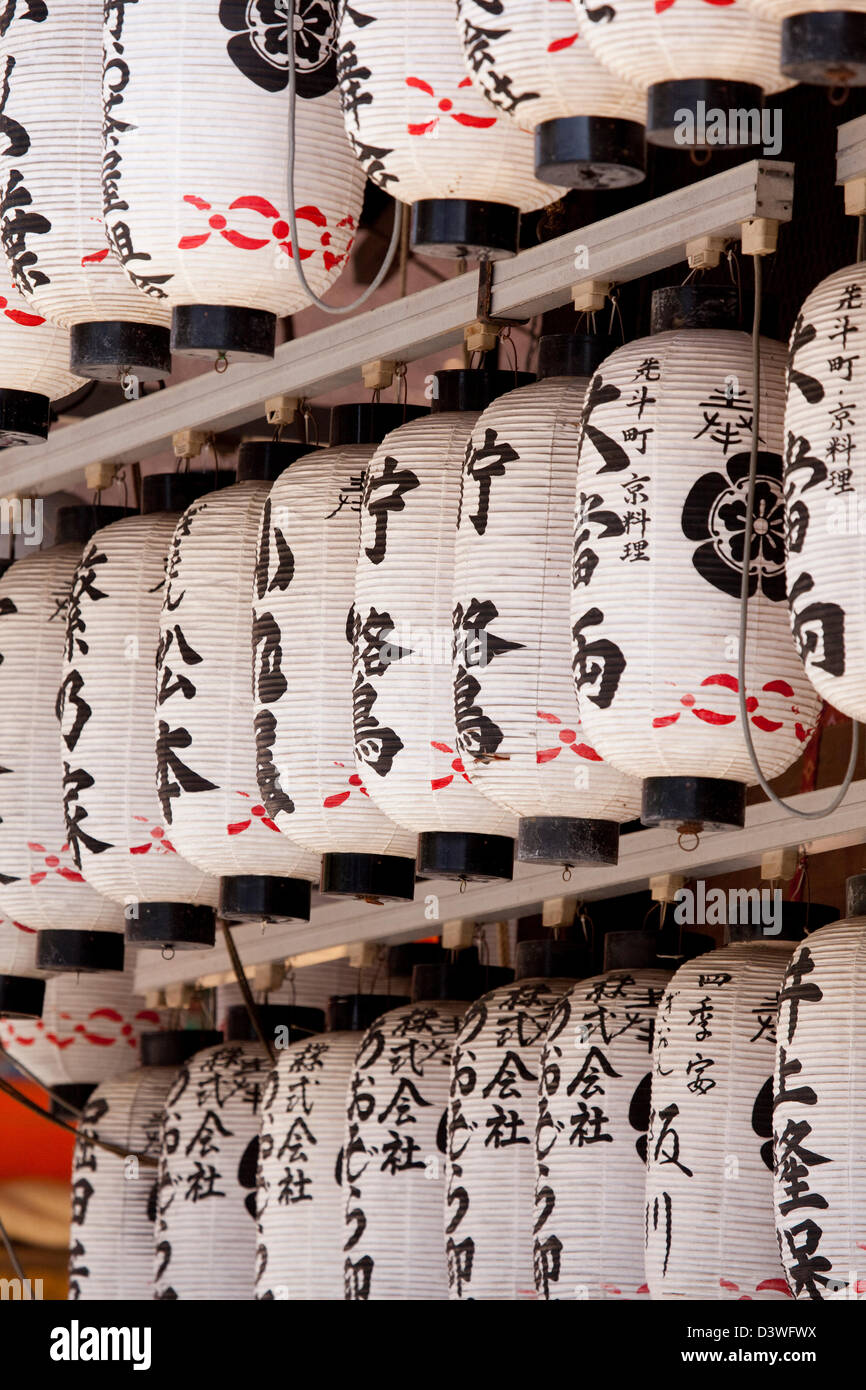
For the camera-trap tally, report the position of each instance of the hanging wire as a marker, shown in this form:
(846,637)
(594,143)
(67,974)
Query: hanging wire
(744,595)
(399,210)
(246,992)
(31,1076)
(12,1253)
(861,238)
(8,1089)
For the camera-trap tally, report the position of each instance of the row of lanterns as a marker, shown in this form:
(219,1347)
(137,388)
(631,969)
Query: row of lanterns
(550,1136)
(421,697)
(132,263)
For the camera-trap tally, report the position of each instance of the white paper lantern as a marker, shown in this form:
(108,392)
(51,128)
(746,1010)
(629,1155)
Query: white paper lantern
(40,884)
(528,60)
(34,368)
(709,1226)
(698,61)
(405,727)
(825,488)
(593,1111)
(423,133)
(301,1200)
(204,697)
(212,238)
(659,529)
(52,229)
(513,560)
(206,1194)
(114,1202)
(306,573)
(821,41)
(90,1030)
(817,1123)
(490,1166)
(117,783)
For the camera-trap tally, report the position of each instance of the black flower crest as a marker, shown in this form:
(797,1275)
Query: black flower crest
(259,43)
(714,514)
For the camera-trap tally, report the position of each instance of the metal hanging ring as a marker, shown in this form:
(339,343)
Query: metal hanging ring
(221,364)
(688,835)
(695,156)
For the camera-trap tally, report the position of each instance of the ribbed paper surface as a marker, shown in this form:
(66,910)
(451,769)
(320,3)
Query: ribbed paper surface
(34,354)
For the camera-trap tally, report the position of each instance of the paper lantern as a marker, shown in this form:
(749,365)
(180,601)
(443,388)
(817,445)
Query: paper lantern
(821,42)
(40,885)
(490,1164)
(824,491)
(34,369)
(55,241)
(212,236)
(306,572)
(709,1226)
(397,1102)
(204,700)
(527,59)
(114,1202)
(405,725)
(90,1030)
(513,571)
(659,530)
(301,1202)
(206,1187)
(425,135)
(816,1113)
(593,1112)
(118,784)
(705,67)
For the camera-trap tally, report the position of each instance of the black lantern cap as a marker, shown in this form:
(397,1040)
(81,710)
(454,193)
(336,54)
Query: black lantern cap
(353,1013)
(855,896)
(590,152)
(74,1093)
(666,101)
(174,492)
(21,996)
(172,926)
(78,524)
(826,47)
(299,1022)
(632,950)
(64,951)
(464,229)
(551,957)
(25,417)
(572,354)
(263,898)
(473,388)
(466,978)
(694,306)
(459,854)
(109,351)
(796,920)
(402,959)
(567,840)
(223,331)
(367,422)
(176,1045)
(263,460)
(692,804)
(389,877)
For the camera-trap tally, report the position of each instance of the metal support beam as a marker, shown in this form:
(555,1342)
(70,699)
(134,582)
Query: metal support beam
(631,244)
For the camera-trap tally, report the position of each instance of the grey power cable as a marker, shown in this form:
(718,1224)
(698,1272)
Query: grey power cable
(744,594)
(12,1253)
(399,211)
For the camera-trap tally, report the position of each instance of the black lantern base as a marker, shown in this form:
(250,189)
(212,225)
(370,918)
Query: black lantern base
(459,854)
(111,350)
(463,229)
(223,331)
(74,1093)
(390,877)
(827,48)
(694,803)
(21,996)
(176,1045)
(567,840)
(702,97)
(172,926)
(24,417)
(258,897)
(590,152)
(551,958)
(79,952)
